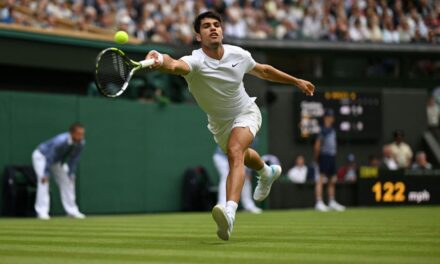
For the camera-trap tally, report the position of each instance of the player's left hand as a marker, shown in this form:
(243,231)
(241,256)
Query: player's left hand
(307,87)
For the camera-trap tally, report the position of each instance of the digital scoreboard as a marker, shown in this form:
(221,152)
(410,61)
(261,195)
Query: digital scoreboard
(403,187)
(358,115)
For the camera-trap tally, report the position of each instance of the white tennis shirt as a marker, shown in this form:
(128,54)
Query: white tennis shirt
(217,85)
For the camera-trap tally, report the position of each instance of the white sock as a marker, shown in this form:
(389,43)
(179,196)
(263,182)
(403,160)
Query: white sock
(265,171)
(231,208)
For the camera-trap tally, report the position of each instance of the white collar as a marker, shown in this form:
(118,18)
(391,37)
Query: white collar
(214,63)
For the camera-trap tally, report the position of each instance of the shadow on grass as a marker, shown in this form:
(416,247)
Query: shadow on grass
(221,242)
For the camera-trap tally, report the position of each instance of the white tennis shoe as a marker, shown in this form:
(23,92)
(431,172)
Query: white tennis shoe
(43,217)
(77,215)
(336,206)
(265,183)
(254,210)
(224,222)
(320,206)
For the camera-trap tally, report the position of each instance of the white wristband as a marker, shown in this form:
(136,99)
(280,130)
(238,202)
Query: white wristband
(159,57)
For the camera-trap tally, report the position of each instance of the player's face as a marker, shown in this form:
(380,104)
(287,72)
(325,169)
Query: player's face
(211,32)
(78,134)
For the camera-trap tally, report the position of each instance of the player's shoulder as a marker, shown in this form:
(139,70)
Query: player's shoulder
(234,49)
(235,52)
(194,60)
(197,53)
(197,56)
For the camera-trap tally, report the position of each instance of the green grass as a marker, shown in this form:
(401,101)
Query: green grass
(384,235)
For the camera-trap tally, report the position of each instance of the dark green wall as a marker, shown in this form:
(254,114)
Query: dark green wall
(135,153)
(26,120)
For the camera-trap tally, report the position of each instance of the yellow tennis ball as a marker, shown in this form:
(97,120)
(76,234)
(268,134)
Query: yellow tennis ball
(121,37)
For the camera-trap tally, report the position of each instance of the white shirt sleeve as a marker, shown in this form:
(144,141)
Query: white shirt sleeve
(193,63)
(250,62)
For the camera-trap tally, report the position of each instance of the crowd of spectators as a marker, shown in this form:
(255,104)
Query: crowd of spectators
(169,21)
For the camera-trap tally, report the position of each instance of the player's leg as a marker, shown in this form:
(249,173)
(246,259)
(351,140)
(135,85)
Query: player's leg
(253,160)
(236,143)
(246,196)
(266,174)
(42,199)
(66,186)
(239,140)
(240,154)
(248,125)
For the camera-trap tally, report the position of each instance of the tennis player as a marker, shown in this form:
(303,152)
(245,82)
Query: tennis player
(214,74)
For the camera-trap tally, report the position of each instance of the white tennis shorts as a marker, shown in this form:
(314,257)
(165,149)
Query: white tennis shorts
(221,129)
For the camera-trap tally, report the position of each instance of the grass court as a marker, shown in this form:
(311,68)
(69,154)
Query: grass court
(366,235)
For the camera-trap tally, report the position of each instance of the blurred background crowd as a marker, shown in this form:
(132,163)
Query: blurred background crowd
(169,21)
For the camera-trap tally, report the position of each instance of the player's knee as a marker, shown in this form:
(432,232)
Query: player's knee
(235,153)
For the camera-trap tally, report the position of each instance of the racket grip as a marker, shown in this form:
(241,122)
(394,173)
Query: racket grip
(146,63)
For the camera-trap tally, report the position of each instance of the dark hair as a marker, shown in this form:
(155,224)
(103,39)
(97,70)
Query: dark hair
(75,126)
(207,14)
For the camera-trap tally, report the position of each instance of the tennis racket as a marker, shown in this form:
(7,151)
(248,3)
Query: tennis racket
(114,70)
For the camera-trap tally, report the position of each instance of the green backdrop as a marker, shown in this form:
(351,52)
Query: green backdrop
(135,153)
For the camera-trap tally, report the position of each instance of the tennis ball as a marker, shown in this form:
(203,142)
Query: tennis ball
(121,37)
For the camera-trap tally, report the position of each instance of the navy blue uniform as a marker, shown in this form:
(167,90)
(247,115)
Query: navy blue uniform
(327,153)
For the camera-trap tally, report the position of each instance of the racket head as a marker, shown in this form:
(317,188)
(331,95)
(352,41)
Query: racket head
(113,71)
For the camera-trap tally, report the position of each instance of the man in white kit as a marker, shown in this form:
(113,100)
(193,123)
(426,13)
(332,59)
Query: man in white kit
(214,74)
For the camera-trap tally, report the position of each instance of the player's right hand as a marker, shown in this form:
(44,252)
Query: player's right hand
(44,179)
(158,59)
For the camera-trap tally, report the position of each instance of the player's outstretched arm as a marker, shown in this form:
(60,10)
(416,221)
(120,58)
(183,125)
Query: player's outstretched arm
(267,72)
(164,63)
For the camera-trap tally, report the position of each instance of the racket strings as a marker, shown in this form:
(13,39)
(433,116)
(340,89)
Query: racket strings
(112,72)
